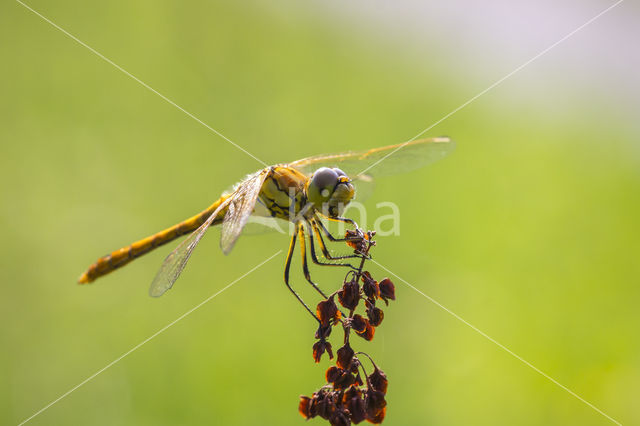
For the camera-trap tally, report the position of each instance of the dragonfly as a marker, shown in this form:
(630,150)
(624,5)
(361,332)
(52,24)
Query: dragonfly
(307,193)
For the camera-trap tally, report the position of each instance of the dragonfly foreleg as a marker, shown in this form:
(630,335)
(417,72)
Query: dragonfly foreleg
(314,231)
(287,266)
(344,219)
(328,234)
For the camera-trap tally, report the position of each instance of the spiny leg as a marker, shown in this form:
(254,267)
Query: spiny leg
(358,232)
(335,219)
(343,219)
(305,266)
(287,266)
(325,251)
(326,254)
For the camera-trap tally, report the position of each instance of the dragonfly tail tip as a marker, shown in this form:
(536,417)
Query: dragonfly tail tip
(84,279)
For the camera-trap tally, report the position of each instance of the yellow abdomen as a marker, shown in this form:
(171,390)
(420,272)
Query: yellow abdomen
(121,257)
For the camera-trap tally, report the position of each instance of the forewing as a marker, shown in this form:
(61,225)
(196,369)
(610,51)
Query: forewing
(241,205)
(387,160)
(175,262)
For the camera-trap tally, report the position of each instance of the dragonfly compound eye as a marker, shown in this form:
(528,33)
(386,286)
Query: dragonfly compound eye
(321,186)
(339,172)
(330,190)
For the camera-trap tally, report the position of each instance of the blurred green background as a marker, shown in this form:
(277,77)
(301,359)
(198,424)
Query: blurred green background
(529,231)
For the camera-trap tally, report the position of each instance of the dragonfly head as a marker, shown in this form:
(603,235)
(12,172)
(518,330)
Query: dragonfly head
(329,190)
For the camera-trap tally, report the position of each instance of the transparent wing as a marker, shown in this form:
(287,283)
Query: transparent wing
(365,165)
(175,262)
(259,225)
(242,203)
(261,221)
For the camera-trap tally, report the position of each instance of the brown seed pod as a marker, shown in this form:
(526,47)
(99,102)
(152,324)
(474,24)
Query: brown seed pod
(379,380)
(327,311)
(370,286)
(387,290)
(304,407)
(358,323)
(374,404)
(345,355)
(319,348)
(349,295)
(374,314)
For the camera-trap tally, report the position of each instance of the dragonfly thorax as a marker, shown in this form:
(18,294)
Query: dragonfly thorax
(283,193)
(290,195)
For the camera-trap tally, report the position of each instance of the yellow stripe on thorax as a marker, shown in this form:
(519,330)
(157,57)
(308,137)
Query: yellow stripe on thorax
(283,187)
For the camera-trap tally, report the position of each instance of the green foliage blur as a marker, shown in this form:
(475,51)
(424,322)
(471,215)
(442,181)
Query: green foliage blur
(528,231)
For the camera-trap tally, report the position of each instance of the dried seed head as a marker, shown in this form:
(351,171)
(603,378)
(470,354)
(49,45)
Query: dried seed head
(379,417)
(358,381)
(304,407)
(342,401)
(345,380)
(345,355)
(379,380)
(356,240)
(352,392)
(332,374)
(319,348)
(387,290)
(374,314)
(358,323)
(349,295)
(324,404)
(323,331)
(352,400)
(327,311)
(370,287)
(340,417)
(369,331)
(362,327)
(374,404)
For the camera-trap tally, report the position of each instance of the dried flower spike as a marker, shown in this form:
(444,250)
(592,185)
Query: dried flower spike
(346,399)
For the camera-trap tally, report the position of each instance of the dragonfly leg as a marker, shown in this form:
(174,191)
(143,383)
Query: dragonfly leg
(344,219)
(328,234)
(314,231)
(305,266)
(287,266)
